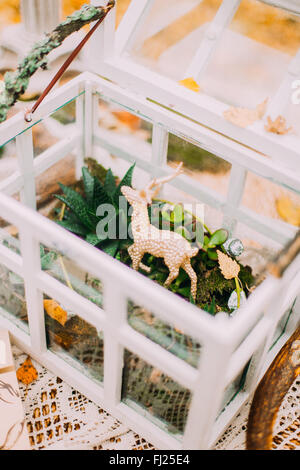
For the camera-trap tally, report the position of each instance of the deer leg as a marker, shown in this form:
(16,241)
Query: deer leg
(186,265)
(145,268)
(136,257)
(131,251)
(174,271)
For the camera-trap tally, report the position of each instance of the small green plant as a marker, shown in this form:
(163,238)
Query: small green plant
(82,217)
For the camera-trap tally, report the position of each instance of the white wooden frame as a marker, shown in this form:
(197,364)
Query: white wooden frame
(227,345)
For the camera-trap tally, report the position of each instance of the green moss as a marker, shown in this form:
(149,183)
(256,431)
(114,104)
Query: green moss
(96,169)
(212,288)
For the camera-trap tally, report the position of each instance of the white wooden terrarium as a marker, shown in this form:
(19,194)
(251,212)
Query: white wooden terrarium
(114,363)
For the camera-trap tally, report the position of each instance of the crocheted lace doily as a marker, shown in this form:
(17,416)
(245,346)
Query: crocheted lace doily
(59,417)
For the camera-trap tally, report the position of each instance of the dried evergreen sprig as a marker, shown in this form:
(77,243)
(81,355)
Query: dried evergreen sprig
(16,83)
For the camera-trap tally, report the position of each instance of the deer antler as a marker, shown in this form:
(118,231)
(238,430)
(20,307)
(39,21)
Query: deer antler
(157,183)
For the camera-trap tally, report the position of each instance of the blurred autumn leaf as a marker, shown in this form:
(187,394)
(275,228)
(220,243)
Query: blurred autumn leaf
(130,120)
(9,12)
(54,310)
(288,210)
(69,6)
(263,23)
(190,83)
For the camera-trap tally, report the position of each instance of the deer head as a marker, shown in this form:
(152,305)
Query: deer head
(145,196)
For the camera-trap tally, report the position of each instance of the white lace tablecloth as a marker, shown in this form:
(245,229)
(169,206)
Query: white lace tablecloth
(59,417)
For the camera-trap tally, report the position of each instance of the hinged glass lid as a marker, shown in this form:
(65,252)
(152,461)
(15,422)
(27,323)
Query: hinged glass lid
(231,65)
(224,46)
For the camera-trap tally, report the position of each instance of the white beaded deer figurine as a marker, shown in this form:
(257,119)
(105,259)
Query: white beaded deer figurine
(174,248)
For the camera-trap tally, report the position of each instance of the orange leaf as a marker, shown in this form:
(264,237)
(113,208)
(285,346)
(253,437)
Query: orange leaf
(130,120)
(55,311)
(27,373)
(190,83)
(288,211)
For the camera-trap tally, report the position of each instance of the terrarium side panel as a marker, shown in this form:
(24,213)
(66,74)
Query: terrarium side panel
(282,325)
(207,396)
(229,150)
(24,143)
(234,196)
(81,127)
(17,125)
(12,296)
(89,258)
(30,252)
(116,312)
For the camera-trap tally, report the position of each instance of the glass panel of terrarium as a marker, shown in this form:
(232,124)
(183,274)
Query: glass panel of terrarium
(234,387)
(8,160)
(12,297)
(253,56)
(147,389)
(47,185)
(199,164)
(73,339)
(42,137)
(169,337)
(258,248)
(9,233)
(210,217)
(69,273)
(121,8)
(283,323)
(120,133)
(56,126)
(170,34)
(270,199)
(292,113)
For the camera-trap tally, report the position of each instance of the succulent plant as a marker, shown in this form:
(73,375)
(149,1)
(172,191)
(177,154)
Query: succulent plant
(81,216)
